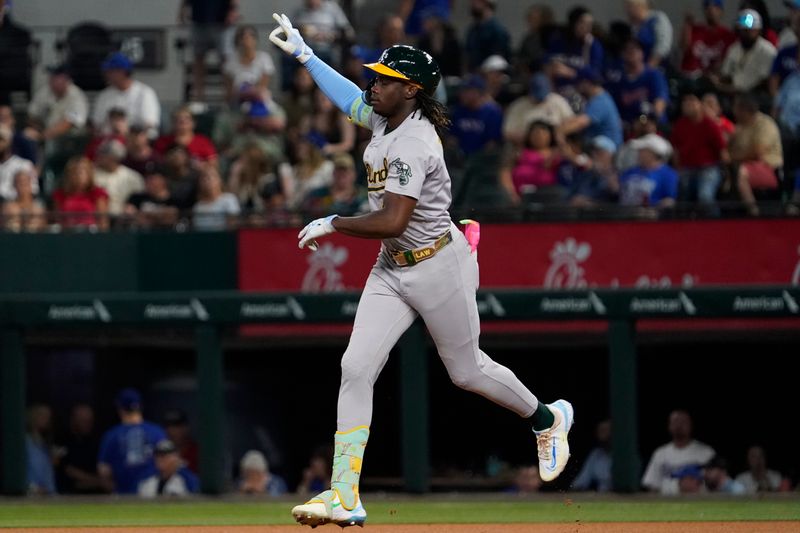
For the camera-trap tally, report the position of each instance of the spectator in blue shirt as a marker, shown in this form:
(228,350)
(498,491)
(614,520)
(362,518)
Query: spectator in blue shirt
(787,109)
(41,476)
(486,36)
(641,89)
(477,120)
(126,450)
(600,116)
(574,49)
(717,478)
(652,183)
(414,13)
(595,473)
(173,477)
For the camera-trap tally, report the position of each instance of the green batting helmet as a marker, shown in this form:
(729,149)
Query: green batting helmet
(410,64)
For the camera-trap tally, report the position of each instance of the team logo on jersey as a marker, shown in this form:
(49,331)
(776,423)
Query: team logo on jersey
(376,178)
(402,169)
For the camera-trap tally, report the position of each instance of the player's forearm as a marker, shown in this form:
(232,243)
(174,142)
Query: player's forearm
(379,224)
(341,91)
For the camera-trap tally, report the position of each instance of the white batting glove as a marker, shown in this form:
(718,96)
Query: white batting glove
(315,229)
(293,44)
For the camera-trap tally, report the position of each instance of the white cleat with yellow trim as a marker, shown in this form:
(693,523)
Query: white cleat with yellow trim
(327,508)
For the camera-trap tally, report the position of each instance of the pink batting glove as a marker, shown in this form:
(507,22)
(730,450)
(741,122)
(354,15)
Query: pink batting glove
(472,232)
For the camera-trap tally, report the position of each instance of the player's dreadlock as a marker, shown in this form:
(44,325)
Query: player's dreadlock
(434,110)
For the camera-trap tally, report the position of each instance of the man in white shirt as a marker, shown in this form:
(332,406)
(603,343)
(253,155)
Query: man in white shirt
(59,108)
(139,101)
(10,165)
(748,62)
(541,103)
(118,180)
(670,458)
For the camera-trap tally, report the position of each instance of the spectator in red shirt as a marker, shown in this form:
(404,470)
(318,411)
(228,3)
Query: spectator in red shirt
(713,110)
(119,129)
(699,150)
(83,203)
(704,45)
(199,146)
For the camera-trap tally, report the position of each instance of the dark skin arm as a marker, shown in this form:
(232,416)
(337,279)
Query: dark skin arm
(385,223)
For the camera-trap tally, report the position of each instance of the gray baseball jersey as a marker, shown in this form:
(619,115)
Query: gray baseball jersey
(441,289)
(409,160)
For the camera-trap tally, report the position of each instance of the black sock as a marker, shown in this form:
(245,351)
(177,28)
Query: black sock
(542,418)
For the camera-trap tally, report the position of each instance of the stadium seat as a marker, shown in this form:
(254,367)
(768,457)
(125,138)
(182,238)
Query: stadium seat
(84,49)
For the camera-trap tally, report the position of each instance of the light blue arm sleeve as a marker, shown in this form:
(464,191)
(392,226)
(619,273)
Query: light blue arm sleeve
(342,92)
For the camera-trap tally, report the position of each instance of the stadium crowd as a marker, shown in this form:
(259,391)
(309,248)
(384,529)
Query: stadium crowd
(649,113)
(139,457)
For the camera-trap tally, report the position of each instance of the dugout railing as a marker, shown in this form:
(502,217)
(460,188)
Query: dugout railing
(206,313)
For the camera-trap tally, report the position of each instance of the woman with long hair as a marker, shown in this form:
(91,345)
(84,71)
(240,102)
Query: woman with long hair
(79,202)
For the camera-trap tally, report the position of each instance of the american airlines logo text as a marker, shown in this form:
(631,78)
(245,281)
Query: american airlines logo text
(766,303)
(194,309)
(591,304)
(289,308)
(96,311)
(681,304)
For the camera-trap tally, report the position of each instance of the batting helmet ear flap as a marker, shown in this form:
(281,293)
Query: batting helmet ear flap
(366,96)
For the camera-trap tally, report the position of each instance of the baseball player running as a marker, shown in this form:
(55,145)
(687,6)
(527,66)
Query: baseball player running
(425,267)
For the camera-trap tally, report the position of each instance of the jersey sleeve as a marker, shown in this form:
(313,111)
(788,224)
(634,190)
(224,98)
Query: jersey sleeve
(407,167)
(104,456)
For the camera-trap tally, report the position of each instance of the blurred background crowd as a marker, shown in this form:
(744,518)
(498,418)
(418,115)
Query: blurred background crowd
(643,117)
(139,457)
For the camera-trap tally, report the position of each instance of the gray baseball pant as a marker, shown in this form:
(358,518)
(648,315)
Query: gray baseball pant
(442,291)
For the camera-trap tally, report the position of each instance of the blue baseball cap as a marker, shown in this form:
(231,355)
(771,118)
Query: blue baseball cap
(539,86)
(601,142)
(255,109)
(716,3)
(129,400)
(118,60)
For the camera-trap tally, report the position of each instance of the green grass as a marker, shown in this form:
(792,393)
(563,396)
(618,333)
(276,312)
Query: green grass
(76,513)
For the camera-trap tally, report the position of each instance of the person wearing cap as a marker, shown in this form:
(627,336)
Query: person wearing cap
(700,148)
(704,45)
(652,28)
(139,101)
(11,165)
(173,478)
(342,196)
(652,183)
(756,150)
(718,479)
(477,119)
(787,61)
(58,109)
(127,449)
(486,36)
(748,62)
(600,116)
(255,477)
(541,103)
(594,178)
(118,180)
(641,87)
(495,73)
